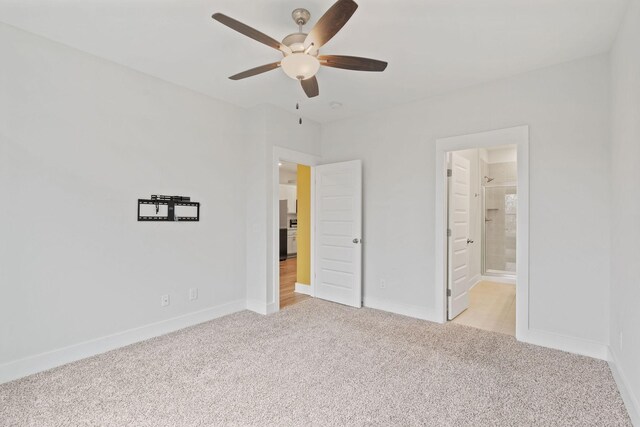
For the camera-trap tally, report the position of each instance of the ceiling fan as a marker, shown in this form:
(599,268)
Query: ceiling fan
(301,50)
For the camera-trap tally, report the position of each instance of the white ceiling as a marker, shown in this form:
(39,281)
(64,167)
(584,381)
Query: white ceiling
(432,46)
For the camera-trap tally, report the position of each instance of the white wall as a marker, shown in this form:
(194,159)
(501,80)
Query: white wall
(272,127)
(256,211)
(81,139)
(625,206)
(502,155)
(288,177)
(567,109)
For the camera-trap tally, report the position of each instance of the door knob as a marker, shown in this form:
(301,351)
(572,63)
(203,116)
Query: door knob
(469,241)
(356,240)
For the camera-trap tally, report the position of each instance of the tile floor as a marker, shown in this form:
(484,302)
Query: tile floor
(492,307)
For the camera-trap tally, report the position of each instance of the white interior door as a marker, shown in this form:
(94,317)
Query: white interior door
(338,250)
(458,256)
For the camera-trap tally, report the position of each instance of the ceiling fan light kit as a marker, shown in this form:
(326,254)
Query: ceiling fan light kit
(300,66)
(301,50)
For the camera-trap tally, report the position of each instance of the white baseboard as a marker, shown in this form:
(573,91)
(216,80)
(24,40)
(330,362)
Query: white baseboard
(398,308)
(272,308)
(566,343)
(261,307)
(475,280)
(256,306)
(499,279)
(44,361)
(631,401)
(303,289)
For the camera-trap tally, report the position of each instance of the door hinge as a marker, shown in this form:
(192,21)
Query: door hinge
(448,292)
(448,232)
(449,172)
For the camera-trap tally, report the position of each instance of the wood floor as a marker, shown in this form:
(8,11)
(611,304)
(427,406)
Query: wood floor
(492,307)
(288,296)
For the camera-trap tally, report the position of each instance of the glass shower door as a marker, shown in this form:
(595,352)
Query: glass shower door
(500,213)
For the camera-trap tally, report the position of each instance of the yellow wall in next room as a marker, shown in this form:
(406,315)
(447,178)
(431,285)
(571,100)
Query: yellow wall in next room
(304,225)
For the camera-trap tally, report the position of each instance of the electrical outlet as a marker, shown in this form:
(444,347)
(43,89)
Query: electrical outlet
(164,300)
(383,283)
(193,294)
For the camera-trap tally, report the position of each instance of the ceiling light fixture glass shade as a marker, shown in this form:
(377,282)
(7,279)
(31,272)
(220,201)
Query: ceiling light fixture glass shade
(300,66)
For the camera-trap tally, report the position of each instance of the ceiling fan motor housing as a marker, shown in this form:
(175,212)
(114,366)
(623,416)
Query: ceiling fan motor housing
(295,41)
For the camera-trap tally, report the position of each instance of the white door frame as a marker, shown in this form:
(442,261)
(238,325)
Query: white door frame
(518,136)
(285,155)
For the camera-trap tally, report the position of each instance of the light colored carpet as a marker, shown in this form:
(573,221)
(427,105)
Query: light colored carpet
(318,363)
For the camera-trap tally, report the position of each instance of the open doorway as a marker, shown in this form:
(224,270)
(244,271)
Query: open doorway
(482,230)
(333,261)
(294,211)
(481,246)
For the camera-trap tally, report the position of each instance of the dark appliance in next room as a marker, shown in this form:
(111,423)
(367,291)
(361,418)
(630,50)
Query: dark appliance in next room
(283,230)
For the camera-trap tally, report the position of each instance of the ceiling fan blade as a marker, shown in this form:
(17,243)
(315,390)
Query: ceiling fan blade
(330,23)
(310,86)
(250,32)
(254,71)
(352,63)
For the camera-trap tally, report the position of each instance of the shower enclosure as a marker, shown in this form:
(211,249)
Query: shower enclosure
(500,206)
